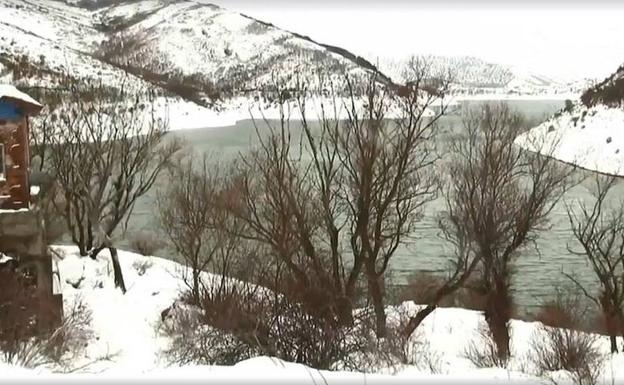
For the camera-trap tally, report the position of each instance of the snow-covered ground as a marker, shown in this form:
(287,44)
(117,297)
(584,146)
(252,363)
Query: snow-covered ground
(125,331)
(591,138)
(188,115)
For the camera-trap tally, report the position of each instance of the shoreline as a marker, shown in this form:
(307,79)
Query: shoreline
(185,115)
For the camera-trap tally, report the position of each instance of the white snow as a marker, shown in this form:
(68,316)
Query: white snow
(5,258)
(595,142)
(124,329)
(9,91)
(183,115)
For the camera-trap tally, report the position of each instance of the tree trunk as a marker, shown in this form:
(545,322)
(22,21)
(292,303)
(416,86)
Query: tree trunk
(374,288)
(612,330)
(415,322)
(498,315)
(195,289)
(119,280)
(95,252)
(613,339)
(344,311)
(611,323)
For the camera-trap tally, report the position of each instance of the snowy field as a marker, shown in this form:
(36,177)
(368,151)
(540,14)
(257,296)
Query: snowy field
(125,342)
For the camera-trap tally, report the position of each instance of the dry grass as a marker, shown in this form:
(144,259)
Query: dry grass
(55,348)
(554,349)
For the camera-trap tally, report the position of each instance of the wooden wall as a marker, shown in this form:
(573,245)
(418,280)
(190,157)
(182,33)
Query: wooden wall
(15,189)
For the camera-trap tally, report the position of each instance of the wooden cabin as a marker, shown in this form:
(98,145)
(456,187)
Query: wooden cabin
(22,229)
(15,109)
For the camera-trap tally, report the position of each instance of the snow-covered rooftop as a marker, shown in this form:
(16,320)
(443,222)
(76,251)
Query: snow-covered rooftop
(10,92)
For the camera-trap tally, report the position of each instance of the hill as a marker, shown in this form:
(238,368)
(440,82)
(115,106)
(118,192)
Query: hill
(588,133)
(474,76)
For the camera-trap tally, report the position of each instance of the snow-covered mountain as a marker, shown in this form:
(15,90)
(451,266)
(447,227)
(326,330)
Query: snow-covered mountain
(196,49)
(474,76)
(201,51)
(588,133)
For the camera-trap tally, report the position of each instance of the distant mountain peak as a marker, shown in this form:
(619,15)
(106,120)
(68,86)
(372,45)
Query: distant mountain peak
(473,75)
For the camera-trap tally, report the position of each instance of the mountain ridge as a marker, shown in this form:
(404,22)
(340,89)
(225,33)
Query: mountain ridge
(199,50)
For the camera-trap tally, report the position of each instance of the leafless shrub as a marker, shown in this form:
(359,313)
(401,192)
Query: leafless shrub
(194,342)
(422,288)
(560,344)
(554,349)
(71,337)
(566,308)
(146,243)
(238,321)
(25,345)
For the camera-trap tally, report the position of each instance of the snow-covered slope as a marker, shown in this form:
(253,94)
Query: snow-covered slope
(211,51)
(609,92)
(124,329)
(52,38)
(215,45)
(589,134)
(591,138)
(474,76)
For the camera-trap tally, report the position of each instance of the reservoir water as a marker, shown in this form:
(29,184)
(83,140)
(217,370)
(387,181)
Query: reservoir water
(537,272)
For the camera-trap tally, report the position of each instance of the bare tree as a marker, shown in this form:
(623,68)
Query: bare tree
(599,230)
(389,174)
(193,216)
(498,200)
(106,150)
(343,204)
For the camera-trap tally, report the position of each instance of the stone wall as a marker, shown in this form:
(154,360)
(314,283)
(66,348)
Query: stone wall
(22,237)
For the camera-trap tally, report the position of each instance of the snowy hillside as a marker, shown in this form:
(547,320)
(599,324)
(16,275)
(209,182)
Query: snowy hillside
(51,37)
(474,77)
(589,133)
(124,339)
(195,50)
(609,92)
(229,49)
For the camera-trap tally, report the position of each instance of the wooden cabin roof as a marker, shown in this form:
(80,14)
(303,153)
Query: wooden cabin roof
(11,94)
